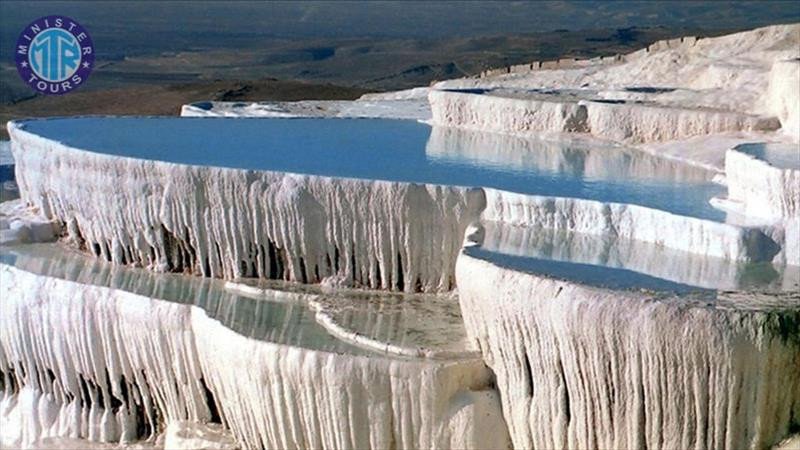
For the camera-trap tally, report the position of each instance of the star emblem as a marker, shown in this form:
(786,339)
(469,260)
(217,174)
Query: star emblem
(24,64)
(86,64)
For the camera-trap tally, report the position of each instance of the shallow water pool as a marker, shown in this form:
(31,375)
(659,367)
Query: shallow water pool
(780,155)
(281,314)
(399,150)
(618,263)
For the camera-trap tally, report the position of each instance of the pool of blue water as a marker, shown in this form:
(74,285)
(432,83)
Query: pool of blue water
(619,263)
(780,155)
(588,274)
(396,150)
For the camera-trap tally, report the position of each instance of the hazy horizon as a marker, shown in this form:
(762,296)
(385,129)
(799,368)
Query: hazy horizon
(377,45)
(390,19)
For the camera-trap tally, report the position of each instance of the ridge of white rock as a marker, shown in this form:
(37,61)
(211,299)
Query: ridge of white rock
(406,104)
(20,224)
(617,120)
(706,151)
(640,123)
(358,402)
(113,366)
(307,228)
(505,114)
(632,222)
(706,86)
(96,363)
(609,251)
(783,96)
(763,189)
(581,367)
(417,93)
(231,223)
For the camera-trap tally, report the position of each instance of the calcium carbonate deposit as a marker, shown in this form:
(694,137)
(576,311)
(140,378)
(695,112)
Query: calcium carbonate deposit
(582,367)
(108,354)
(564,254)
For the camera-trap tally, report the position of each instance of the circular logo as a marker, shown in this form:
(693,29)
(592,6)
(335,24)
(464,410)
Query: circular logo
(54,55)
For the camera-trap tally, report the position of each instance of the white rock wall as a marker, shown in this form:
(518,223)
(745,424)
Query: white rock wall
(616,252)
(500,114)
(783,95)
(95,363)
(636,124)
(286,397)
(579,367)
(632,123)
(725,73)
(237,223)
(763,190)
(630,222)
(100,364)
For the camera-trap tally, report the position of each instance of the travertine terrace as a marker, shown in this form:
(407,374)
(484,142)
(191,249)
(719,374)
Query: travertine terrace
(621,271)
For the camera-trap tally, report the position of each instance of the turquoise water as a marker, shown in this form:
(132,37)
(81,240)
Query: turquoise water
(397,150)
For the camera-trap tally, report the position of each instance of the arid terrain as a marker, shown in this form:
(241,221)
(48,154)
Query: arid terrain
(245,231)
(166,99)
(158,83)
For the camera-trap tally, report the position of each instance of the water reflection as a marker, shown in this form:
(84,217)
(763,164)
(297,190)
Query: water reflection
(575,157)
(580,168)
(780,155)
(400,150)
(619,263)
(290,323)
(281,312)
(432,323)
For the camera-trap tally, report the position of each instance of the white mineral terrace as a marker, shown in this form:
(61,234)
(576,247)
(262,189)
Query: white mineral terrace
(600,254)
(112,354)
(312,215)
(743,81)
(584,367)
(616,262)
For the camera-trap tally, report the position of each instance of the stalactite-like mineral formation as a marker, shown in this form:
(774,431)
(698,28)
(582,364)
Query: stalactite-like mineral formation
(583,367)
(98,362)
